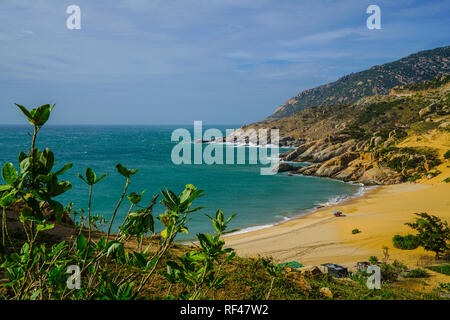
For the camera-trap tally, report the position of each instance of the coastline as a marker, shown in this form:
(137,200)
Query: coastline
(319,206)
(319,237)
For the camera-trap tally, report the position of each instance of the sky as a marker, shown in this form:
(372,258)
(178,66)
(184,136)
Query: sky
(148,62)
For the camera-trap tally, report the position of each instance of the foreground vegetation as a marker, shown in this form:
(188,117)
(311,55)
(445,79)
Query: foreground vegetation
(137,262)
(433,235)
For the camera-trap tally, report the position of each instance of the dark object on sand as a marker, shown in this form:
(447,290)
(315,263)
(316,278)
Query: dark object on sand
(337,213)
(335,270)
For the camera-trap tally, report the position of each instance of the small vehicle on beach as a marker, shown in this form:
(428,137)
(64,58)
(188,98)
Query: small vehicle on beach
(337,213)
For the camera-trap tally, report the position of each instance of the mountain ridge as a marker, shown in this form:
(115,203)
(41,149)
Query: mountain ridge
(379,79)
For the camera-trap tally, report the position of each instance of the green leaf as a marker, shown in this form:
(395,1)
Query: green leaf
(140,259)
(22,156)
(64,169)
(90,176)
(122,170)
(231,218)
(4,187)
(231,256)
(45,178)
(184,229)
(35,294)
(135,198)
(43,227)
(127,173)
(9,174)
(25,112)
(41,114)
(101,243)
(81,177)
(101,178)
(58,188)
(47,159)
(81,242)
(195,209)
(114,248)
(25,164)
(58,248)
(7,199)
(58,209)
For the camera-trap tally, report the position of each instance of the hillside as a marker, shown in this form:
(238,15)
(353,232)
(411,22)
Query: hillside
(362,141)
(380,79)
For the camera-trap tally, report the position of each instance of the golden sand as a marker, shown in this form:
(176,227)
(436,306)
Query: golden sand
(320,237)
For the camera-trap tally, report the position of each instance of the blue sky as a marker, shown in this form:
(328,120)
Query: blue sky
(176,61)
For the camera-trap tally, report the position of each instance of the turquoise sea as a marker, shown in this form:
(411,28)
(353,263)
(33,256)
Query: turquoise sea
(257,200)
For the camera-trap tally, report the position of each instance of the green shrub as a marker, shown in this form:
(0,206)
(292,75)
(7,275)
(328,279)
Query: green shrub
(408,242)
(447,154)
(433,233)
(355,231)
(414,177)
(444,286)
(399,265)
(373,260)
(388,272)
(416,273)
(444,269)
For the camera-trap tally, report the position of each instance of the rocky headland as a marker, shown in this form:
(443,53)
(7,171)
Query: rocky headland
(362,142)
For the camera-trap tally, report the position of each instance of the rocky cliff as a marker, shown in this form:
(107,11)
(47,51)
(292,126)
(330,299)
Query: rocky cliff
(360,141)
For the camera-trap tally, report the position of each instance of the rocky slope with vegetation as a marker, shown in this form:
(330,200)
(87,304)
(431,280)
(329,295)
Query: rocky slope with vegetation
(361,141)
(379,79)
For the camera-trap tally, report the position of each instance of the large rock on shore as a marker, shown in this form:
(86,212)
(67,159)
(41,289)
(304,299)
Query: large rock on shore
(344,159)
(282,167)
(362,170)
(321,150)
(428,110)
(380,175)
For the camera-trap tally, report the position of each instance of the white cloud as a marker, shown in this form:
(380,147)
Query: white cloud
(240,55)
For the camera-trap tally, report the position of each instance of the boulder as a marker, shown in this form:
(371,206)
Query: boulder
(285,141)
(310,271)
(309,170)
(380,175)
(326,292)
(332,150)
(294,154)
(375,140)
(282,167)
(328,171)
(428,110)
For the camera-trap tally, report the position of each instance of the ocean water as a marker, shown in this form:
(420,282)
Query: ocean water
(258,200)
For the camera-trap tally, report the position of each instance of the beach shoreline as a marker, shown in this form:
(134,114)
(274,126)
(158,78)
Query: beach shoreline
(364,190)
(319,237)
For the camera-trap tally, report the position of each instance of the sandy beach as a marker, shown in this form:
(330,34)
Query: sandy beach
(379,214)
(320,237)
